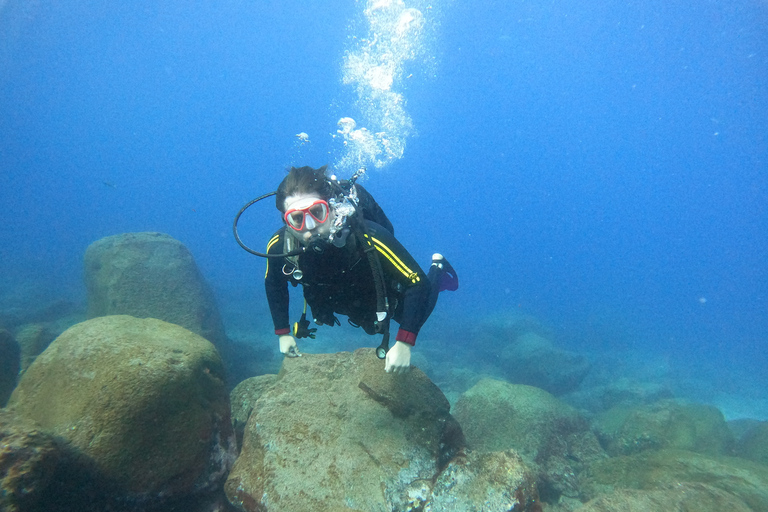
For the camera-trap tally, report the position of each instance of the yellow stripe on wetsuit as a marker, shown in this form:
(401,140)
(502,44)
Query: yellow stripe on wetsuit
(271,242)
(397,262)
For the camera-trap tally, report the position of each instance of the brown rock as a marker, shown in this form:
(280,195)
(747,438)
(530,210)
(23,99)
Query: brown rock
(694,497)
(336,432)
(9,365)
(33,339)
(143,399)
(483,482)
(664,424)
(550,435)
(150,275)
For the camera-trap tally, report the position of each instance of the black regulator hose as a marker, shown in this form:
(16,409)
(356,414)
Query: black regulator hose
(257,253)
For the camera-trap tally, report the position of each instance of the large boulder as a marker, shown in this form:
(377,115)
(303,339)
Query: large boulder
(335,432)
(143,399)
(664,424)
(150,275)
(533,360)
(29,462)
(754,444)
(10,354)
(33,339)
(243,399)
(682,497)
(480,482)
(39,472)
(549,434)
(728,480)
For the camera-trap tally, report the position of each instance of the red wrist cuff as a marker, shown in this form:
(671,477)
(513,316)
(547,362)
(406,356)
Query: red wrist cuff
(281,332)
(406,337)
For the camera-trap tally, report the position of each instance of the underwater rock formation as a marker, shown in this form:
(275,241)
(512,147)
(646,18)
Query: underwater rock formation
(621,392)
(150,275)
(41,473)
(714,481)
(29,463)
(335,432)
(664,424)
(754,444)
(482,482)
(533,360)
(143,399)
(9,365)
(687,496)
(549,434)
(243,399)
(33,339)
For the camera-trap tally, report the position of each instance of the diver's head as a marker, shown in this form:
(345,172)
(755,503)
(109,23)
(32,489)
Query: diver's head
(302,198)
(315,208)
(303,181)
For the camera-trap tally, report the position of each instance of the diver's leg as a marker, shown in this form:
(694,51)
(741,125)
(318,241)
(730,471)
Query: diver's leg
(441,277)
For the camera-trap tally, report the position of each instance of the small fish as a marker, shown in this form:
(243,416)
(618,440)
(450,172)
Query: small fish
(112,185)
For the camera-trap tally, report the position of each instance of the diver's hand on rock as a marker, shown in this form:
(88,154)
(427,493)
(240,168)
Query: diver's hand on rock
(288,346)
(398,358)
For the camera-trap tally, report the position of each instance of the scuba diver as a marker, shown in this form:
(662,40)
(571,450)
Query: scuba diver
(338,244)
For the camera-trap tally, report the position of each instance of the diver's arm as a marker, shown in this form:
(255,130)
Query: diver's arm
(276,286)
(414,312)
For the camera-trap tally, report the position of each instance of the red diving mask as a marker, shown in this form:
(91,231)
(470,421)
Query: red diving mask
(296,217)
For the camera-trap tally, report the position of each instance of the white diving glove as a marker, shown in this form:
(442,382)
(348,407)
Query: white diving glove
(398,358)
(288,345)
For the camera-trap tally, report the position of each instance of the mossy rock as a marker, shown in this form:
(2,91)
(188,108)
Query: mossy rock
(150,275)
(549,434)
(33,339)
(497,416)
(664,424)
(335,431)
(678,497)
(144,399)
(660,469)
(533,360)
(243,398)
(9,365)
(754,444)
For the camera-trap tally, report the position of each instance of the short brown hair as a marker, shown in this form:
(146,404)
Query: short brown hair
(303,181)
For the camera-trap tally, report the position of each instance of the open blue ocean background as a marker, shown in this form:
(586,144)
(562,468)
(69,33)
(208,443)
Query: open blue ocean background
(600,166)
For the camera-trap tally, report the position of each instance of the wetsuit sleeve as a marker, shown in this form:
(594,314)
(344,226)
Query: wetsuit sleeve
(276,286)
(399,266)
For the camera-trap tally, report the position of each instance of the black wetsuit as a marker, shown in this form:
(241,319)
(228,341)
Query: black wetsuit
(340,281)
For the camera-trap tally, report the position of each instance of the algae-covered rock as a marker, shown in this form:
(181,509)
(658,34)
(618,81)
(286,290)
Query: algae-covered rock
(335,432)
(150,275)
(143,399)
(498,416)
(665,424)
(621,392)
(243,398)
(33,339)
(754,444)
(39,472)
(9,365)
(533,360)
(28,463)
(678,497)
(665,469)
(480,482)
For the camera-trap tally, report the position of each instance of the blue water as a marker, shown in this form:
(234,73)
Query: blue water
(602,166)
